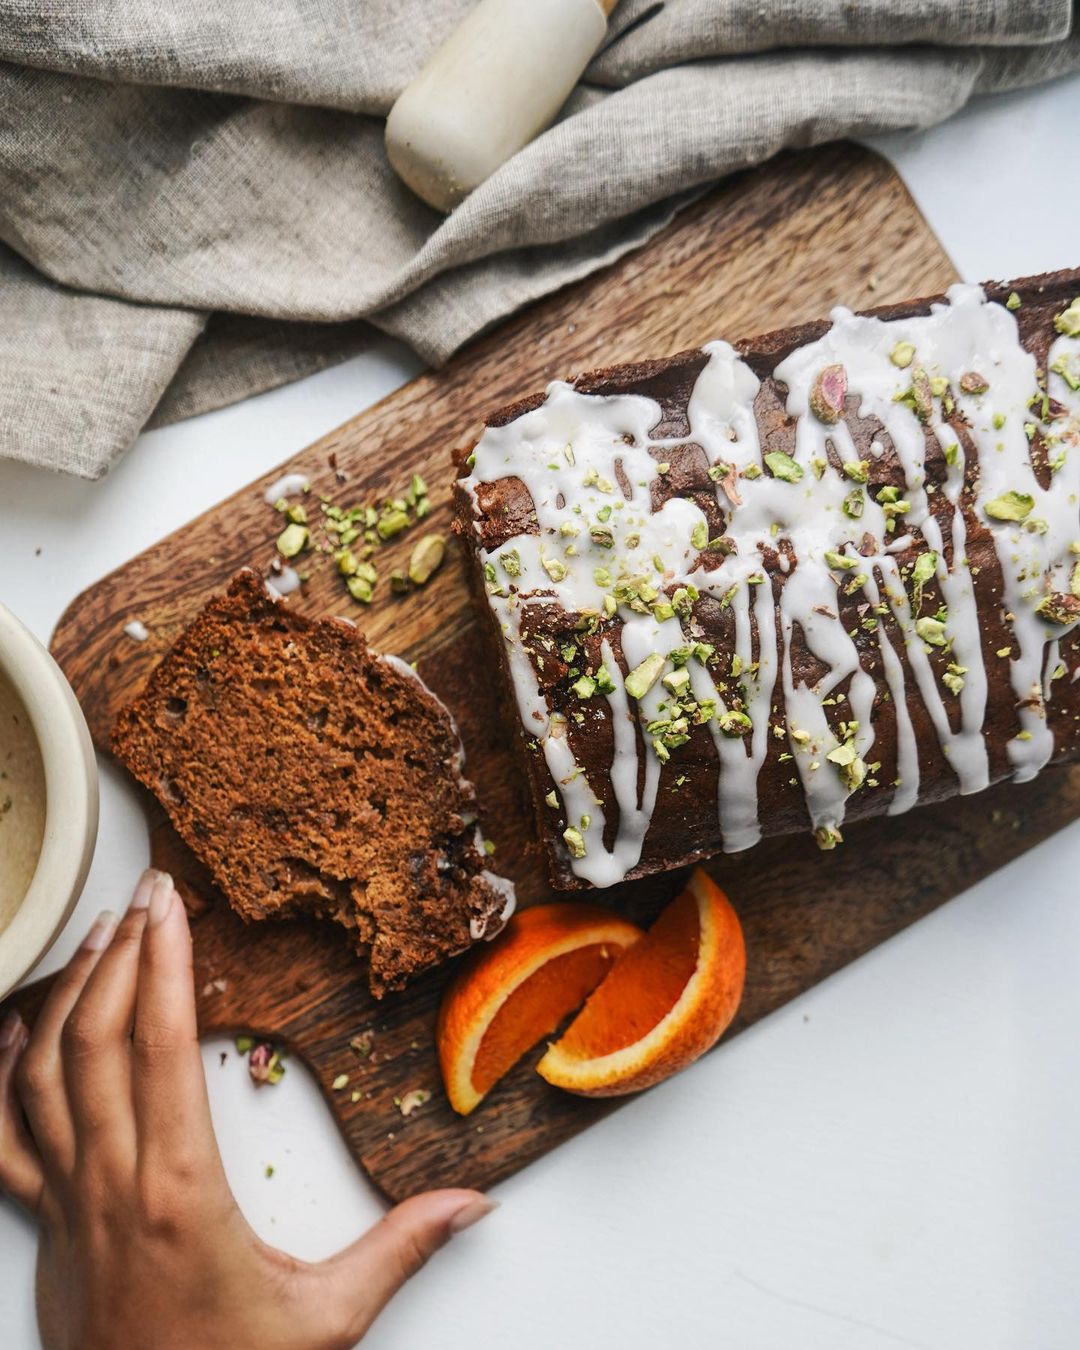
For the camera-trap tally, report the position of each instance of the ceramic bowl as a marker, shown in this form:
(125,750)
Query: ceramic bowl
(48,801)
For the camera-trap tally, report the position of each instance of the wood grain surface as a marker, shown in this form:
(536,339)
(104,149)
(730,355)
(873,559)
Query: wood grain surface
(777,246)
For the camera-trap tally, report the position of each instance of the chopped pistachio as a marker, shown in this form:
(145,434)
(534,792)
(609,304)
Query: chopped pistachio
(1074,580)
(555,569)
(574,842)
(1068,367)
(341,1081)
(938,385)
(1010,506)
(925,569)
(399,582)
(827,395)
(391,522)
(853,504)
(1013,301)
(840,561)
(733,723)
(552,800)
(902,354)
(418,486)
(642,678)
(244,1044)
(360,589)
(511,562)
(412,1100)
(1059,608)
(932,631)
(998,420)
(699,535)
(919,396)
(1068,321)
(827,837)
(602,535)
(296,514)
(818,466)
(971,382)
(426,557)
(604,682)
(584,686)
(292,540)
(751,471)
(1003,651)
(782,466)
(858,470)
(346,562)
(677,681)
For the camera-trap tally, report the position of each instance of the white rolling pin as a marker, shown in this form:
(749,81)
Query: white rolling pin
(497,81)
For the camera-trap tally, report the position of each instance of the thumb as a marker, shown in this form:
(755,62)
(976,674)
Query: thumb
(366,1276)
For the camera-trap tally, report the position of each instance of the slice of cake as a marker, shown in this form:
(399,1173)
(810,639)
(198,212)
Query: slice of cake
(829,573)
(313,776)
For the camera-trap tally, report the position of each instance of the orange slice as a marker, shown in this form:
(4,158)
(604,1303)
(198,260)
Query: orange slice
(516,990)
(666,1001)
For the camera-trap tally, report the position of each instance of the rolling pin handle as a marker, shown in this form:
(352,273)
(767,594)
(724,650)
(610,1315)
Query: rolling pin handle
(496,83)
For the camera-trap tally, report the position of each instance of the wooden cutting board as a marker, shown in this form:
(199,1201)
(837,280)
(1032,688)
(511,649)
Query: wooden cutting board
(774,247)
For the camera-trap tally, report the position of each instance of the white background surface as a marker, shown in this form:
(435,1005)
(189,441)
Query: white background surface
(889,1161)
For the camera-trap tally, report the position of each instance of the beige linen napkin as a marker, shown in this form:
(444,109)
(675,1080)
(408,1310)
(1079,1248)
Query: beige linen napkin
(195,203)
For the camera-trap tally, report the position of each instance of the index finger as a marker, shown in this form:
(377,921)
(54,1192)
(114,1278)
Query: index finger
(172,1113)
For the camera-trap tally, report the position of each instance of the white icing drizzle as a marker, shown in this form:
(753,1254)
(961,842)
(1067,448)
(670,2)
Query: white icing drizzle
(136,630)
(288,485)
(590,464)
(283,583)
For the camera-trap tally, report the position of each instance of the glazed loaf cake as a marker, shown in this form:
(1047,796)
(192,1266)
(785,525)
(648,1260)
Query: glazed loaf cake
(825,574)
(314,776)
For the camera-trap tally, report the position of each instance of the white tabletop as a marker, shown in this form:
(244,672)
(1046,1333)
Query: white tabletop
(888,1161)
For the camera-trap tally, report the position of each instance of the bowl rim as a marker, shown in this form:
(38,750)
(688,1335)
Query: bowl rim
(71,800)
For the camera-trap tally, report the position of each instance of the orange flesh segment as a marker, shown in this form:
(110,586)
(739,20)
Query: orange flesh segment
(643,986)
(536,1008)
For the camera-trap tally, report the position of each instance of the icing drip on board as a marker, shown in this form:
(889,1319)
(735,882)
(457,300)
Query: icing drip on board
(602,552)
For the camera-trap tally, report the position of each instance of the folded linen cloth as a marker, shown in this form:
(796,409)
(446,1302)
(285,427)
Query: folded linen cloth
(196,204)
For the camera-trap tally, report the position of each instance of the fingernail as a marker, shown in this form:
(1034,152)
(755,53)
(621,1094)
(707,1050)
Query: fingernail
(161,898)
(98,937)
(141,898)
(9,1030)
(472,1213)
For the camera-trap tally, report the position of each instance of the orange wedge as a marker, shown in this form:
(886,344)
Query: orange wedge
(667,1000)
(516,990)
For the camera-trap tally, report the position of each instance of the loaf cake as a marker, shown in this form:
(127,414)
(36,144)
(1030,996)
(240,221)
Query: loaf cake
(315,777)
(825,574)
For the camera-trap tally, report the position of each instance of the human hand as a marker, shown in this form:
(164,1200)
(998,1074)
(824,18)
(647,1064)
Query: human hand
(105,1136)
